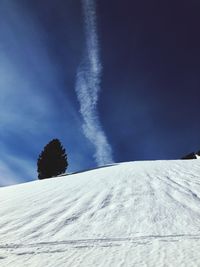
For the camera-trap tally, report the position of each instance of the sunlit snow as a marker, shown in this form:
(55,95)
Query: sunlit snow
(128,214)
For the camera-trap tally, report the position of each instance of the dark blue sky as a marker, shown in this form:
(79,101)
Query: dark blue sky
(149,99)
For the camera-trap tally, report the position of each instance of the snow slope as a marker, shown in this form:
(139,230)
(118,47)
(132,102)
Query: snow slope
(128,214)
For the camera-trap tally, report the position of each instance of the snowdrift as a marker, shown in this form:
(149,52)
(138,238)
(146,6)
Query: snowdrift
(128,214)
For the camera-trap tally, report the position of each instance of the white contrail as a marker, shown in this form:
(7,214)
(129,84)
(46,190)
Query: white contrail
(88,87)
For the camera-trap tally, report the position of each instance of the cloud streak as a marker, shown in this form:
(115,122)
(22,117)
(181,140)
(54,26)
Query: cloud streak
(33,104)
(88,87)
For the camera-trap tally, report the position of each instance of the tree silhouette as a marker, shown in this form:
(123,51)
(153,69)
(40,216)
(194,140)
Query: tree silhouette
(190,156)
(52,161)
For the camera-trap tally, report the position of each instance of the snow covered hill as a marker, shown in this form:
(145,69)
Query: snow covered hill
(128,214)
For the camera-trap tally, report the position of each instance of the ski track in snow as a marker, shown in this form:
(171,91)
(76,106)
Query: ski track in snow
(128,214)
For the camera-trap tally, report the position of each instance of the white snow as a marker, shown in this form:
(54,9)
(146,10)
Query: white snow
(128,214)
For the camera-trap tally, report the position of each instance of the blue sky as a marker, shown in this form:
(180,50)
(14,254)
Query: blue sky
(148,105)
(35,104)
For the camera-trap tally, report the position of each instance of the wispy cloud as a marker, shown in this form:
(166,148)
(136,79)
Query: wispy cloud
(33,104)
(22,170)
(88,87)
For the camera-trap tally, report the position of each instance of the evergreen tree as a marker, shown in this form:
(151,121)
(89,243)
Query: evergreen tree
(190,156)
(52,161)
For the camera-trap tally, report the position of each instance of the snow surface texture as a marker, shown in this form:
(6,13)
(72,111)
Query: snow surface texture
(129,214)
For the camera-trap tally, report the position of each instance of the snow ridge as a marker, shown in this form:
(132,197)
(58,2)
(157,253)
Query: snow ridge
(128,214)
